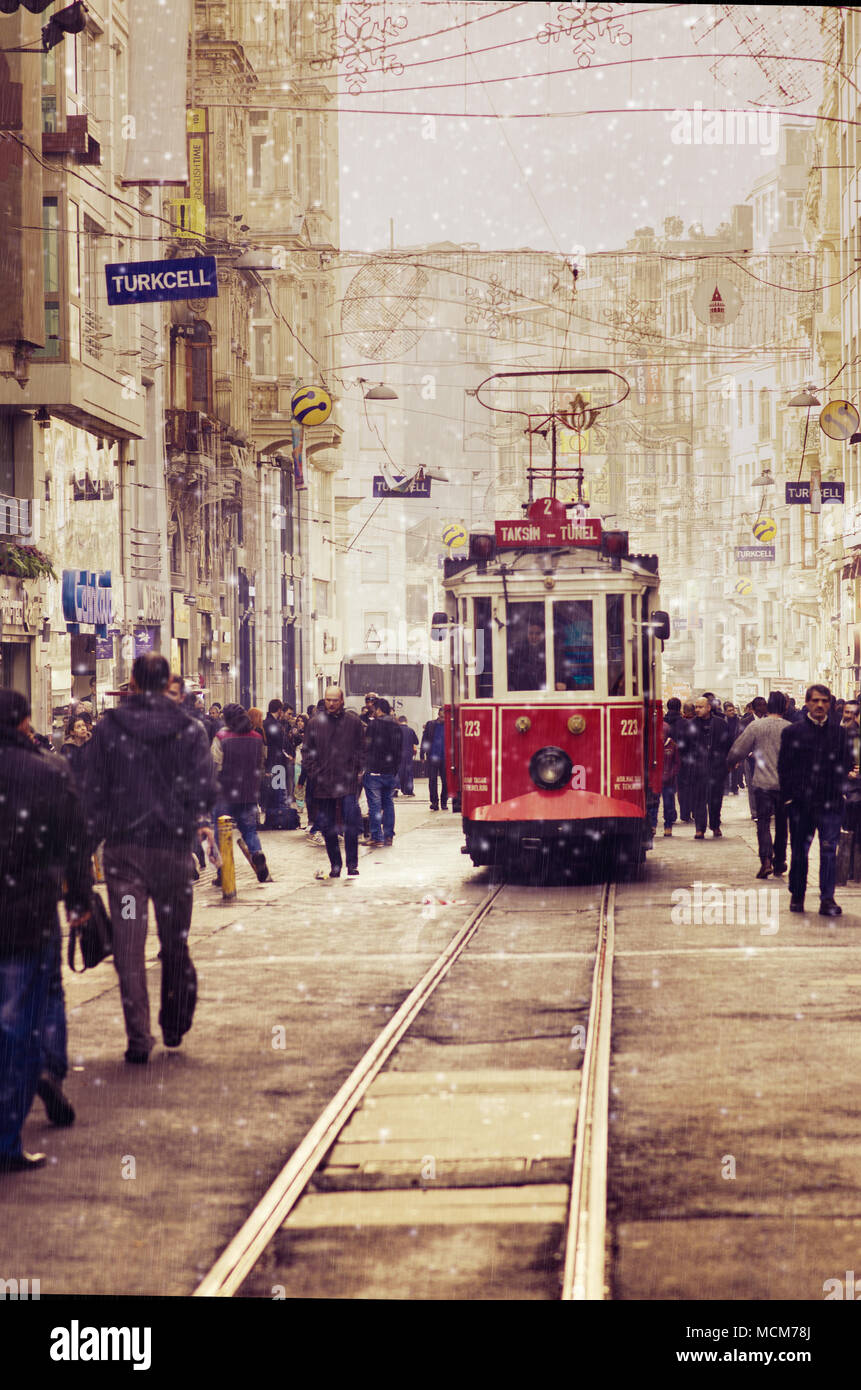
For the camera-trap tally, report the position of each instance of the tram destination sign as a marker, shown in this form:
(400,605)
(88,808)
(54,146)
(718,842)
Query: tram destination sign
(148,282)
(830,492)
(744,553)
(525,535)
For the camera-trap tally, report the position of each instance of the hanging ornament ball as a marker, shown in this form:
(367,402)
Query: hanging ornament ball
(311,405)
(765,529)
(454,535)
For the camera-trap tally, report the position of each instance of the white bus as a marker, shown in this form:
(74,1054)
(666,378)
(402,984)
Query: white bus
(413,688)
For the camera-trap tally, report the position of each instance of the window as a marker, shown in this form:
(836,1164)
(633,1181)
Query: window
(49,91)
(437,686)
(483,637)
(262,357)
(199,368)
(51,272)
(401,680)
(85,71)
(525,639)
(573,645)
(321,597)
(615,644)
(417,603)
(764,415)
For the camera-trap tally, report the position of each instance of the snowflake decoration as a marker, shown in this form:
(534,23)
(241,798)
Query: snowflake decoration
(756,38)
(584,24)
(358,42)
(488,307)
(636,323)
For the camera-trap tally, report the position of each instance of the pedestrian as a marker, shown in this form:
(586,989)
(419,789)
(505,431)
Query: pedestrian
(405,771)
(383,752)
(705,748)
(213,721)
(176,689)
(148,790)
(74,745)
(679,728)
(735,778)
(849,717)
(278,781)
(333,756)
(367,712)
(433,749)
(44,853)
(815,767)
(239,755)
(669,779)
(761,742)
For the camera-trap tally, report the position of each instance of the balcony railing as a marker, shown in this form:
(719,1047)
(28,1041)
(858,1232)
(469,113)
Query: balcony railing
(95,332)
(189,432)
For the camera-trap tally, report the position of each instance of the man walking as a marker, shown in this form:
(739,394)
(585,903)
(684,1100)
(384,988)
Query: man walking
(433,749)
(148,788)
(813,766)
(761,741)
(333,755)
(278,783)
(704,755)
(239,754)
(43,843)
(405,771)
(383,752)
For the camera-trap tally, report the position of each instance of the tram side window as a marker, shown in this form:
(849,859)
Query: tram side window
(615,644)
(483,649)
(437,687)
(525,640)
(573,645)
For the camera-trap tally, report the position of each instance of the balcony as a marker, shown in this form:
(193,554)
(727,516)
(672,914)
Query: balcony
(189,432)
(94,332)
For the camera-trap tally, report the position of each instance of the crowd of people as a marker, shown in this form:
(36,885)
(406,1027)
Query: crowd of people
(143,787)
(800,768)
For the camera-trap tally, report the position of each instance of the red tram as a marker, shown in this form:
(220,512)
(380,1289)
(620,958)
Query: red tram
(554,722)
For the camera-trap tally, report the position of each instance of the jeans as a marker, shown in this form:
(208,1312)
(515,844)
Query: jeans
(25,984)
(768,804)
(246,821)
(706,799)
(134,874)
(405,777)
(804,822)
(381,807)
(327,820)
(684,794)
(437,770)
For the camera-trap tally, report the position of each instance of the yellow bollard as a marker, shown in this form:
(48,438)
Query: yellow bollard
(98,870)
(228,868)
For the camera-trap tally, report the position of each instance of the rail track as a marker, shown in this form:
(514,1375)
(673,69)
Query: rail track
(584,1270)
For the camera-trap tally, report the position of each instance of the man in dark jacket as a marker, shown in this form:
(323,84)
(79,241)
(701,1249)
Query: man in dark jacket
(278,782)
(433,749)
(703,755)
(148,788)
(405,771)
(333,756)
(43,843)
(814,767)
(383,752)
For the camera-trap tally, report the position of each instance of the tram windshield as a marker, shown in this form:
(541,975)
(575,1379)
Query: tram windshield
(573,645)
(527,657)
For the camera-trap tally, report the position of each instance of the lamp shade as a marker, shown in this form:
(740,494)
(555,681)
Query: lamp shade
(764,480)
(805,400)
(381,393)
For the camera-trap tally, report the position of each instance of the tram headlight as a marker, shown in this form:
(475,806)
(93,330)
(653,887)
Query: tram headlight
(550,768)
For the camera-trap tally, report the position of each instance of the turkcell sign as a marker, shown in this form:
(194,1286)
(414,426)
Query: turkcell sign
(830,492)
(146,282)
(534,535)
(419,487)
(87,599)
(743,553)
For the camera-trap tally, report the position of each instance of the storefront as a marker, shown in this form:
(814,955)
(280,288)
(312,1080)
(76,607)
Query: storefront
(16,638)
(88,613)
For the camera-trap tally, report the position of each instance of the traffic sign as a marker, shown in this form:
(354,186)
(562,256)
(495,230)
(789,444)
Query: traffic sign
(533,535)
(743,553)
(149,282)
(831,492)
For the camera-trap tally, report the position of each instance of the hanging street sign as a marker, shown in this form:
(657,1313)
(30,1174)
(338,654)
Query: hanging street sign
(716,302)
(526,535)
(148,282)
(839,420)
(419,487)
(743,553)
(831,492)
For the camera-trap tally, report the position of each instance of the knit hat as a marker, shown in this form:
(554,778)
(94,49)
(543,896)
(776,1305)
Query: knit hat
(14,707)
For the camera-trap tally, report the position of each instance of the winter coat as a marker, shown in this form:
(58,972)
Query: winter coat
(240,758)
(148,777)
(671,757)
(428,736)
(41,849)
(278,750)
(704,750)
(814,763)
(333,753)
(74,753)
(760,743)
(410,738)
(384,746)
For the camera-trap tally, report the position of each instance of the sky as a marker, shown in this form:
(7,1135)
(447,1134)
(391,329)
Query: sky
(480,132)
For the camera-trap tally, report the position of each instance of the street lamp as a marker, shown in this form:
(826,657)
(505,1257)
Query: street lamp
(764,480)
(379,392)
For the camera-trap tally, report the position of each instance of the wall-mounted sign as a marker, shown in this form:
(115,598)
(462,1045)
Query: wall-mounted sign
(830,492)
(716,302)
(418,487)
(87,599)
(743,553)
(839,420)
(148,282)
(526,535)
(16,516)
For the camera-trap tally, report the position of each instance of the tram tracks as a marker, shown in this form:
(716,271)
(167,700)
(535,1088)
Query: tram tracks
(586,1219)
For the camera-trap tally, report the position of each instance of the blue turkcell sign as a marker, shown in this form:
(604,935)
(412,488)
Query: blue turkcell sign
(831,492)
(419,487)
(87,599)
(147,282)
(744,553)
